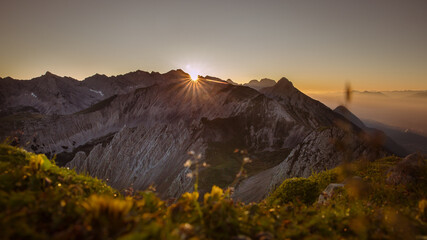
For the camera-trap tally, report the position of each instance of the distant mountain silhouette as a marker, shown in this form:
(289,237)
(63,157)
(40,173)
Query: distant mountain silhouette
(255,84)
(420,95)
(369,93)
(397,94)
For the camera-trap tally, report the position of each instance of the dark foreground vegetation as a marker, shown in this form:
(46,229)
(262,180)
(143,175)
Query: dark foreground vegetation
(39,200)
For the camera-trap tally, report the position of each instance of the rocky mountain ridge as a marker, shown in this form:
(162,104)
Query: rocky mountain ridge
(140,132)
(52,94)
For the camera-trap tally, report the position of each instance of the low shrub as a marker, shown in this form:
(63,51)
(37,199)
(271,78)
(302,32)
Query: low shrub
(294,190)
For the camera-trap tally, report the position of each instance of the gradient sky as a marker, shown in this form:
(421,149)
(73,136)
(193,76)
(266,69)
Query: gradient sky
(319,45)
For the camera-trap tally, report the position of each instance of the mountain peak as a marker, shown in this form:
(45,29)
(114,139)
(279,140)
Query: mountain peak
(140,71)
(231,82)
(96,76)
(99,75)
(265,82)
(178,72)
(284,82)
(212,78)
(284,86)
(49,74)
(343,111)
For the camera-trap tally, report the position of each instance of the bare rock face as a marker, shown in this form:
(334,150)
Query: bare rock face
(410,170)
(317,152)
(140,131)
(145,159)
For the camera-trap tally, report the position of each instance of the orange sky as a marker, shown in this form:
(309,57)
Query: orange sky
(319,45)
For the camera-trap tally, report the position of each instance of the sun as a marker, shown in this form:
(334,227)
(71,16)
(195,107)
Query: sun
(194,76)
(193,71)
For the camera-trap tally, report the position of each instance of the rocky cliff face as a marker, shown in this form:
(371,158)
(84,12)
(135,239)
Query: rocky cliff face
(330,140)
(141,131)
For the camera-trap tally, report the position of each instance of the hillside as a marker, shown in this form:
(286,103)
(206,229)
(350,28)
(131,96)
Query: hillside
(39,200)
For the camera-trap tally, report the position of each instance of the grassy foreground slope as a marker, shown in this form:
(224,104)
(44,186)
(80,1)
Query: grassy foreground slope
(39,200)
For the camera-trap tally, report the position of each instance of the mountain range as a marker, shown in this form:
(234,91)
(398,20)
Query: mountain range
(416,94)
(135,130)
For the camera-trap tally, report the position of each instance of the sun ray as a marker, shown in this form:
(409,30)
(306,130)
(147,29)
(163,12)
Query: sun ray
(196,92)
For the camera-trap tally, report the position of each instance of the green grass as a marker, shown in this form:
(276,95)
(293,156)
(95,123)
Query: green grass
(295,189)
(39,200)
